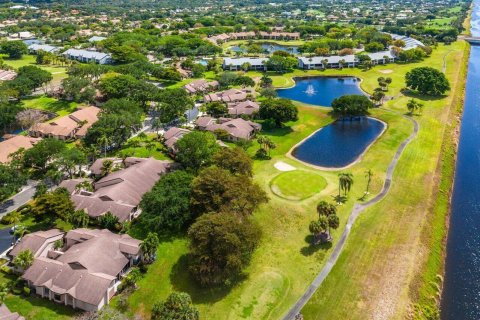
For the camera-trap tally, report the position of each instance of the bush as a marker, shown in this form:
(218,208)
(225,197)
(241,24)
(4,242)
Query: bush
(26,291)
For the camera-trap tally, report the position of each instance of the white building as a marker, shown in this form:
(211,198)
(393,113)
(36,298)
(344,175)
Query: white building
(235,64)
(88,56)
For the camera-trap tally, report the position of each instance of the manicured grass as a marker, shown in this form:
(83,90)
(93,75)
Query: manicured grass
(33,308)
(58,72)
(385,258)
(381,256)
(297,185)
(60,107)
(139,147)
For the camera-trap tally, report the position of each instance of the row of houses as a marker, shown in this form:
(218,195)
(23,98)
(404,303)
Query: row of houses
(273,35)
(317,62)
(74,54)
(84,272)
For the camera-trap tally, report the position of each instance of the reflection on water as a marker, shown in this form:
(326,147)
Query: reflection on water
(340,143)
(461,293)
(321,91)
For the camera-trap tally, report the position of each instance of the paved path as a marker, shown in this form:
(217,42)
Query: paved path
(19,199)
(358,208)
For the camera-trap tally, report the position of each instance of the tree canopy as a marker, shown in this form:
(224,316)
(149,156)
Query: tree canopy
(167,205)
(196,150)
(278,111)
(351,105)
(427,80)
(221,246)
(178,306)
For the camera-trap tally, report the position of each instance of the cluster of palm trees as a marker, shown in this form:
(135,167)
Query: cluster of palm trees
(327,220)
(379,93)
(266,145)
(413,105)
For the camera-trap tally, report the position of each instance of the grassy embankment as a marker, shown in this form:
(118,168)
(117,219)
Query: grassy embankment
(385,236)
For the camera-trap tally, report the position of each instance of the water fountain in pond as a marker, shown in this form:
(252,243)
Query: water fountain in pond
(310,90)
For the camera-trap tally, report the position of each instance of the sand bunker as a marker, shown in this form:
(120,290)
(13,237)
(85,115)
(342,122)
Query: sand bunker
(282,166)
(385,71)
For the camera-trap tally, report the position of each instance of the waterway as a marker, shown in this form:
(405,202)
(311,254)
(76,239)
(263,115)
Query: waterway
(340,143)
(461,292)
(321,91)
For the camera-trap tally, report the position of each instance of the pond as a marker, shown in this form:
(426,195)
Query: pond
(321,91)
(268,47)
(340,143)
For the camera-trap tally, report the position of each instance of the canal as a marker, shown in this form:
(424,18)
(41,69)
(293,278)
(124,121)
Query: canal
(461,292)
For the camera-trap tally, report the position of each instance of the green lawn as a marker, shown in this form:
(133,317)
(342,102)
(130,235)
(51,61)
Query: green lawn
(382,251)
(297,185)
(144,148)
(60,107)
(58,72)
(33,308)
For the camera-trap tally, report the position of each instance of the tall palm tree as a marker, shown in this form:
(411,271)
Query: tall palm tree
(105,141)
(345,183)
(326,209)
(368,175)
(315,228)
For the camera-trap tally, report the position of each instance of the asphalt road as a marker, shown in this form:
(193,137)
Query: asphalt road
(358,208)
(19,199)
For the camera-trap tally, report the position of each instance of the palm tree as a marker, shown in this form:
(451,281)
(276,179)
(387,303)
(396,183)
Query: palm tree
(368,175)
(149,146)
(315,228)
(345,182)
(326,209)
(388,81)
(105,141)
(107,167)
(342,63)
(24,259)
(333,222)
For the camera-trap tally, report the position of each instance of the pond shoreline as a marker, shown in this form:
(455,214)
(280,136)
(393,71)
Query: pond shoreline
(357,159)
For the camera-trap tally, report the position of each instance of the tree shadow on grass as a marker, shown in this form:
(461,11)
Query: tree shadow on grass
(339,198)
(277,132)
(412,94)
(183,281)
(310,249)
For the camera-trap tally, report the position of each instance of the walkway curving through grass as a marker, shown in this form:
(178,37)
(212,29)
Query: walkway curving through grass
(358,208)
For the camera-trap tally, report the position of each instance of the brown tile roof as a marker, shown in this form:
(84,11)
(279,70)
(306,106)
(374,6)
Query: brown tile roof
(87,268)
(14,144)
(237,128)
(246,107)
(6,314)
(66,126)
(173,135)
(34,241)
(226,96)
(6,75)
(200,85)
(121,191)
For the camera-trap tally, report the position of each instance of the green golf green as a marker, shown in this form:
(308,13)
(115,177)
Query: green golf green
(297,185)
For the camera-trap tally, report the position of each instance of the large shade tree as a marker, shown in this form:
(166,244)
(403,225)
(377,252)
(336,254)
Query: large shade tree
(427,80)
(221,246)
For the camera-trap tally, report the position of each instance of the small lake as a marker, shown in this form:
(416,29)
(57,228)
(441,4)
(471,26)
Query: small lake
(321,91)
(340,143)
(269,48)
